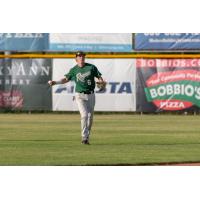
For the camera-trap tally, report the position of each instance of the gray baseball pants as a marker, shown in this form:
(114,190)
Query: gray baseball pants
(85,104)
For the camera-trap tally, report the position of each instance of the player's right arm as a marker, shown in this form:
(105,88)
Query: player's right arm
(67,78)
(62,81)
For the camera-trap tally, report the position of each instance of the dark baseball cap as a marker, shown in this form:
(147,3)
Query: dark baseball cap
(80,53)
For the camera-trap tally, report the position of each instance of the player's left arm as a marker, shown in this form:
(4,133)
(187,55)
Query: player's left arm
(101,83)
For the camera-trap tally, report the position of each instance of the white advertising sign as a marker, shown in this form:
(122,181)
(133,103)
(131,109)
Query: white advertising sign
(91,42)
(120,93)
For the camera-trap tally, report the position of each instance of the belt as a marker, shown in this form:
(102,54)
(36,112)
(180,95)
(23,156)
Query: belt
(89,92)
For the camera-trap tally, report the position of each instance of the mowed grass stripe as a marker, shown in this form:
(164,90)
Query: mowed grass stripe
(54,139)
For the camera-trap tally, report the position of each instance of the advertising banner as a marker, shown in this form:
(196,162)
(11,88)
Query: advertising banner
(24,41)
(168,84)
(167,41)
(23,84)
(91,42)
(119,94)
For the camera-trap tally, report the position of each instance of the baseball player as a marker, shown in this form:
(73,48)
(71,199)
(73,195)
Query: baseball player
(84,76)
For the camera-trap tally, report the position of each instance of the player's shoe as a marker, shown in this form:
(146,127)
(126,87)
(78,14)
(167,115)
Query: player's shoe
(85,142)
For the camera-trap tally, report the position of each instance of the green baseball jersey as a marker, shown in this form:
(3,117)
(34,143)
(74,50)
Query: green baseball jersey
(84,77)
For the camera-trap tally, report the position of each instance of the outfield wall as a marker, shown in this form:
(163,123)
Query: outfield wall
(135,85)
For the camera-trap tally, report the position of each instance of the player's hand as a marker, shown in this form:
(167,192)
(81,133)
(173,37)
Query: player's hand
(51,83)
(101,85)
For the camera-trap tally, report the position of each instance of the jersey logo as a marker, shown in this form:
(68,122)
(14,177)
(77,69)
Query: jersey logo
(81,77)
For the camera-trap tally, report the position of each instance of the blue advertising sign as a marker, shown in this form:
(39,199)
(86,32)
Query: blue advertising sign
(167,41)
(24,41)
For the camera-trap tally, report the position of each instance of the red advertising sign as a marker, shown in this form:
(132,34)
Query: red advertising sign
(169,84)
(12,99)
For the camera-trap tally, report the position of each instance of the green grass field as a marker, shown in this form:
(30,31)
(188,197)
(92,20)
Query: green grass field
(54,139)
